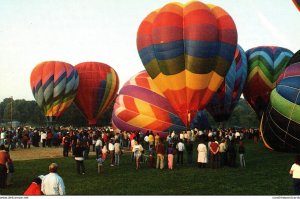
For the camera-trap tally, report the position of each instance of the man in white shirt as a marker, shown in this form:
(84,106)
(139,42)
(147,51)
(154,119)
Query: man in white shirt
(98,147)
(180,148)
(53,184)
(43,138)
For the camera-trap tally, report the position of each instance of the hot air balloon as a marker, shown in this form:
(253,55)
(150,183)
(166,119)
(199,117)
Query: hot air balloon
(187,51)
(54,85)
(98,86)
(265,64)
(226,98)
(140,106)
(280,124)
(200,121)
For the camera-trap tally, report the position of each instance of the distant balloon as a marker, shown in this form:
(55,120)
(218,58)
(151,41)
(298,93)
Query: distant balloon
(265,64)
(200,121)
(280,124)
(54,85)
(98,86)
(187,50)
(141,106)
(227,97)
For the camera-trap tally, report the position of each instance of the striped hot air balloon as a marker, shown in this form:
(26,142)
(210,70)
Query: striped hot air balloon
(280,124)
(98,86)
(187,51)
(140,106)
(54,85)
(226,98)
(265,64)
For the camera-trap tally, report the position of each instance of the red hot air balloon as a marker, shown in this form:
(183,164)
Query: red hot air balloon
(98,86)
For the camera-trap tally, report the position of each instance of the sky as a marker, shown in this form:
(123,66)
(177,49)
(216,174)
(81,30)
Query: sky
(76,31)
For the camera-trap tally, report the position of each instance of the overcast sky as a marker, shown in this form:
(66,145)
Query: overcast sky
(76,31)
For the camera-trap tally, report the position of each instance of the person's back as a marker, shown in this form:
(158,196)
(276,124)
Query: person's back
(53,184)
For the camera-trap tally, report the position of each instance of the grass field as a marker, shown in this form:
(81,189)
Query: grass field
(266,174)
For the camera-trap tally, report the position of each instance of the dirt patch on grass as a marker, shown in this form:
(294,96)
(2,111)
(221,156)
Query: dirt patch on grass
(35,153)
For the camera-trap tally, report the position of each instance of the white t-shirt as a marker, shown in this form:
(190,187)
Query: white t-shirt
(180,146)
(296,170)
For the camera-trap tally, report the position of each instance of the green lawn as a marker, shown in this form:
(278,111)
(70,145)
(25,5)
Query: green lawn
(266,174)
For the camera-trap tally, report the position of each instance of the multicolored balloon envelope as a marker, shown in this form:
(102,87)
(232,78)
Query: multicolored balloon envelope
(226,98)
(141,106)
(98,86)
(187,51)
(54,85)
(280,124)
(265,64)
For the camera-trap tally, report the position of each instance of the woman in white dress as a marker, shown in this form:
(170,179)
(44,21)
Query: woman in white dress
(202,155)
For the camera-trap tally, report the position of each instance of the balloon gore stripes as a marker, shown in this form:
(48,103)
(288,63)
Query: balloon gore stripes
(187,50)
(281,122)
(99,84)
(226,98)
(54,85)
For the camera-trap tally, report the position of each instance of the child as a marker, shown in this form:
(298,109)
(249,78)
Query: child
(104,152)
(242,154)
(151,157)
(100,162)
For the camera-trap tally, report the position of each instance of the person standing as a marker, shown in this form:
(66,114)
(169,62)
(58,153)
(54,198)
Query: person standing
(170,152)
(52,183)
(117,152)
(180,148)
(137,151)
(100,162)
(43,138)
(66,145)
(189,150)
(295,172)
(202,154)
(98,146)
(4,158)
(78,153)
(111,149)
(160,151)
(242,154)
(214,154)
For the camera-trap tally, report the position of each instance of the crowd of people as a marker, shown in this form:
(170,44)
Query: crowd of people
(214,148)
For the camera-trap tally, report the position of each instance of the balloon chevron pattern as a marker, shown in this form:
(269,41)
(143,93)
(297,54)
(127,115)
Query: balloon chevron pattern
(54,85)
(265,64)
(187,50)
(141,106)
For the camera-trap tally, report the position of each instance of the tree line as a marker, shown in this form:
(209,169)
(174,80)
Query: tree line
(29,113)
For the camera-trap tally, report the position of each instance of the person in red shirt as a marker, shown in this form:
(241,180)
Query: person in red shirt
(214,154)
(4,156)
(34,188)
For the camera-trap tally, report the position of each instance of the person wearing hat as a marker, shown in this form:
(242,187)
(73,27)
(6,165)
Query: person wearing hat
(52,183)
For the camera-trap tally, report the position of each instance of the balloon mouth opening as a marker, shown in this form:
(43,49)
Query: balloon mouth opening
(92,121)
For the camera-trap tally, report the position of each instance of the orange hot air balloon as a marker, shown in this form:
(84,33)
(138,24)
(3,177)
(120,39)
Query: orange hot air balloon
(187,50)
